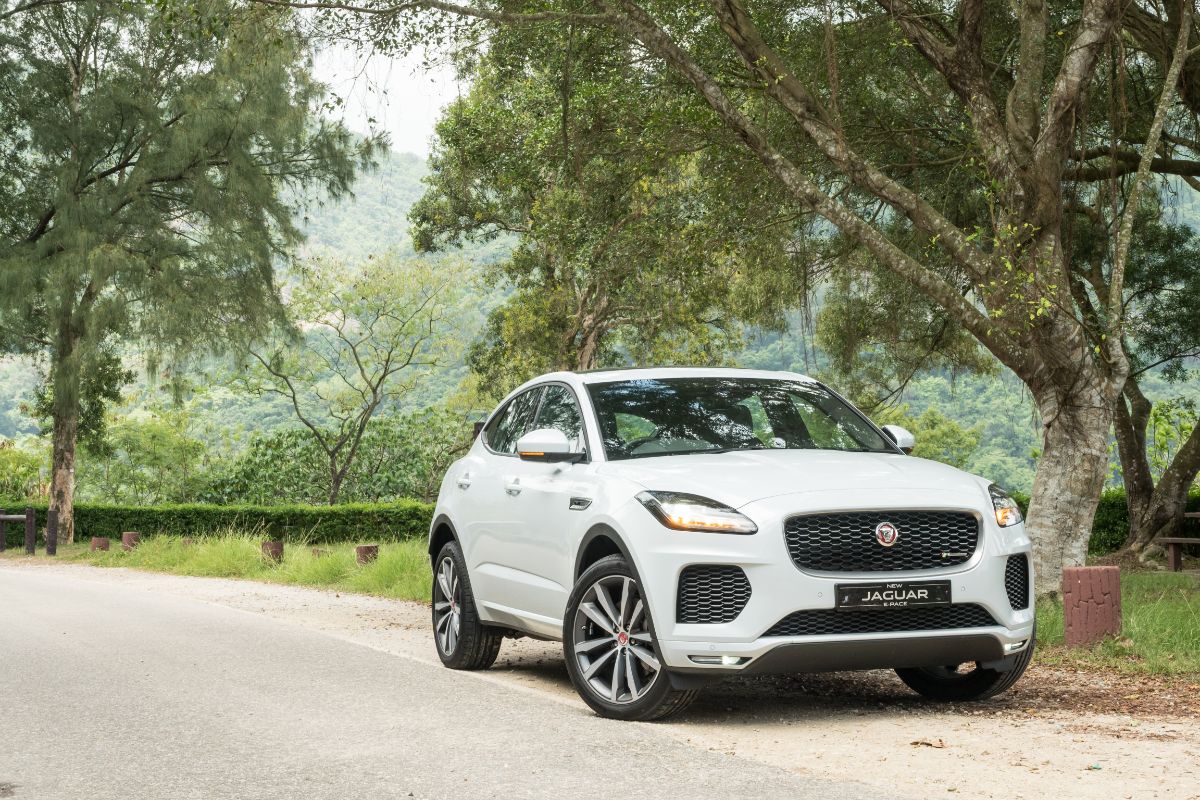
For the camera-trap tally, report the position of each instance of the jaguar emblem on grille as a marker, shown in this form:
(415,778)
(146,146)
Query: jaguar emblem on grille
(886,534)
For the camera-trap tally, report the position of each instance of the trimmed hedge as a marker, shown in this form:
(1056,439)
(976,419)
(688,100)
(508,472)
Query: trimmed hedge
(406,519)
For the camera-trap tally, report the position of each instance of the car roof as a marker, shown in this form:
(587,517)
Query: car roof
(651,373)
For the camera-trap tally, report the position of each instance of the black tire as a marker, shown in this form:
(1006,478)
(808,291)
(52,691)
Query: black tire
(634,688)
(462,641)
(948,685)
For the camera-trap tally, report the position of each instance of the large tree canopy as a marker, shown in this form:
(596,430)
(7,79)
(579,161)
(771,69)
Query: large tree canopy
(146,151)
(955,143)
(624,245)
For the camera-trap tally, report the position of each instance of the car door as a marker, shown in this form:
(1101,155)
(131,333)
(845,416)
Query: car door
(488,520)
(549,501)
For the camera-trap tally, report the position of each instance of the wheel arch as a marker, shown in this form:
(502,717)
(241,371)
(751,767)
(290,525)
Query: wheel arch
(441,532)
(600,541)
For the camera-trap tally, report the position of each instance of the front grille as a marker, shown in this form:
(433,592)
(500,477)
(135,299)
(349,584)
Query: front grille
(1016,581)
(711,594)
(846,541)
(828,621)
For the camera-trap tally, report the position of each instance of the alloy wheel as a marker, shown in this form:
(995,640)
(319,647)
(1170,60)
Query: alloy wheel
(613,643)
(447,606)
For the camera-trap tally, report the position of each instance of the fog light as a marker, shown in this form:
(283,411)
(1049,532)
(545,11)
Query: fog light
(720,661)
(1015,646)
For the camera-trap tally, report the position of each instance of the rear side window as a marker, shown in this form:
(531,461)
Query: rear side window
(513,422)
(560,412)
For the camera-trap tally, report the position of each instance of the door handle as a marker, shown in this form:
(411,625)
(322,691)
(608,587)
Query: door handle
(464,481)
(513,487)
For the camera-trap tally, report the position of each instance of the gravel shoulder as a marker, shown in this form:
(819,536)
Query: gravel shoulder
(1058,733)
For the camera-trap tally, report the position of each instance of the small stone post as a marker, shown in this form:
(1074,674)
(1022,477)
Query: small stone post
(98,543)
(1091,604)
(366,553)
(273,550)
(129,540)
(3,533)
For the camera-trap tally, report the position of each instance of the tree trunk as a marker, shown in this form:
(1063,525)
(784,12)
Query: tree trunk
(65,416)
(336,476)
(1162,512)
(1070,476)
(1129,427)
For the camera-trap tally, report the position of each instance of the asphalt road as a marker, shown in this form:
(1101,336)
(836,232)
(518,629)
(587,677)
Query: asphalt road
(113,691)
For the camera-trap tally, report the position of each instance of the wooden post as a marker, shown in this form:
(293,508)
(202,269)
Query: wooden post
(52,532)
(1091,604)
(366,553)
(30,531)
(1175,556)
(129,540)
(99,543)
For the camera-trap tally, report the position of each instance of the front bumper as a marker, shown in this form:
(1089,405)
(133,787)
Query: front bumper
(779,587)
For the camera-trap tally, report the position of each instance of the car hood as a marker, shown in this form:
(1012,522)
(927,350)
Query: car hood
(743,477)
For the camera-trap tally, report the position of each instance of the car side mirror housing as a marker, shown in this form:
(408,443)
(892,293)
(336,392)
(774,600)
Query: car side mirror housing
(903,439)
(547,445)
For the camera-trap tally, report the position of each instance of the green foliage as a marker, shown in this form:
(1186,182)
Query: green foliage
(103,376)
(20,471)
(1171,423)
(144,460)
(360,340)
(145,151)
(401,456)
(19,382)
(406,519)
(938,437)
(624,252)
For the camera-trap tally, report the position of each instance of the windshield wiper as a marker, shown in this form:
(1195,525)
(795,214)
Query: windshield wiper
(732,448)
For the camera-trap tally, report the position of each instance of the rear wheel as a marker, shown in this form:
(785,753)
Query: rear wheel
(463,642)
(956,683)
(612,656)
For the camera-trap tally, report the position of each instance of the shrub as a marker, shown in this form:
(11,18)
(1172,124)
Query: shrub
(406,519)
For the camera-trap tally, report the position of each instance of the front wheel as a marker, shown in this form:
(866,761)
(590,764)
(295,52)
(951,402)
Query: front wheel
(463,642)
(611,653)
(955,683)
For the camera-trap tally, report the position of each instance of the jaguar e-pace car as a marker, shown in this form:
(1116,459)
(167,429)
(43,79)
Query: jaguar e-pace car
(675,526)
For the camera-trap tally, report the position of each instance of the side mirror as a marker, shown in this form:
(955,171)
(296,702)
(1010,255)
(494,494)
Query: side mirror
(903,439)
(548,445)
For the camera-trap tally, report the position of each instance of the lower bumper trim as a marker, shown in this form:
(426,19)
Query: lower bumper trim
(928,651)
(924,651)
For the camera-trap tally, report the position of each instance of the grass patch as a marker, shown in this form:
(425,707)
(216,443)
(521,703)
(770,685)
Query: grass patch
(401,571)
(1160,628)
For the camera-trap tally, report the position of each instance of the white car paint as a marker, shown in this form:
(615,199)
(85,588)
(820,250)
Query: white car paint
(522,540)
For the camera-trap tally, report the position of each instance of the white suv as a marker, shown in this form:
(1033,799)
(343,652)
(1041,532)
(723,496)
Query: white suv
(673,526)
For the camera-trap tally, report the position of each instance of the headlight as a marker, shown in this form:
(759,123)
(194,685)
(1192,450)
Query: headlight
(1007,510)
(689,512)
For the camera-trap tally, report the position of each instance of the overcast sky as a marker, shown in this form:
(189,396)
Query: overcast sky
(404,99)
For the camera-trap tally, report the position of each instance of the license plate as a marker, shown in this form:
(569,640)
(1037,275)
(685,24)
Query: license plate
(893,595)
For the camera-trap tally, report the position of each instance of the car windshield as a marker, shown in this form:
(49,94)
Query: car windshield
(675,416)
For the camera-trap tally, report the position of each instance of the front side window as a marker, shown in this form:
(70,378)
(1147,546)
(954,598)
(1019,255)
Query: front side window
(513,422)
(560,412)
(674,416)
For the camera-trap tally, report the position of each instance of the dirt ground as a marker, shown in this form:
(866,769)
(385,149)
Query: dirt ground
(1057,733)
